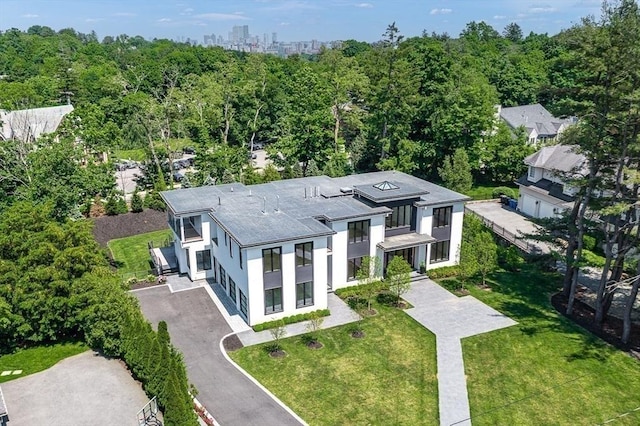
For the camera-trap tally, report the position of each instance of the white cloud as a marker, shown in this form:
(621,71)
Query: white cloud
(30,15)
(94,19)
(164,20)
(542,9)
(442,11)
(364,5)
(499,17)
(186,12)
(292,5)
(222,17)
(284,24)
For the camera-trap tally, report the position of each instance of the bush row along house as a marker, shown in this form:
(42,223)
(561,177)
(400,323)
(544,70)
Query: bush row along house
(278,248)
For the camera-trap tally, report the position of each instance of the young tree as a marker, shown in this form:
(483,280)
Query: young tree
(314,325)
(270,173)
(136,203)
(486,253)
(398,277)
(368,276)
(456,172)
(277,333)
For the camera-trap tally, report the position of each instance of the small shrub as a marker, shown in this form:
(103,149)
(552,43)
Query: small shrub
(510,258)
(588,242)
(153,201)
(150,278)
(291,320)
(137,205)
(503,190)
(356,303)
(444,272)
(387,299)
(589,258)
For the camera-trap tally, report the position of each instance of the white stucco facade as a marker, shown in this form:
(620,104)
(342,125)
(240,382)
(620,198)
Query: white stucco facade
(287,276)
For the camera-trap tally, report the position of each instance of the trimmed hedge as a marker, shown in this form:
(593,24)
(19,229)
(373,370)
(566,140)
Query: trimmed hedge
(291,320)
(503,190)
(355,290)
(444,272)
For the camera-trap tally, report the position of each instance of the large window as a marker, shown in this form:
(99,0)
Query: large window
(304,294)
(358,231)
(442,217)
(203,260)
(243,303)
(273,300)
(223,277)
(232,290)
(400,216)
(214,232)
(271,260)
(353,265)
(304,254)
(440,251)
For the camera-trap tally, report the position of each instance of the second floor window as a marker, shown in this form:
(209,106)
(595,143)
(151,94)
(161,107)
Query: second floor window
(271,260)
(304,254)
(400,216)
(442,217)
(358,231)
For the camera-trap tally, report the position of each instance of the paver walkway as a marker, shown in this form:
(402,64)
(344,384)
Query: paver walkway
(451,318)
(340,314)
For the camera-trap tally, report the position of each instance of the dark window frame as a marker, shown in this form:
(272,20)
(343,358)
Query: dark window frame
(270,299)
(304,289)
(243,303)
(232,290)
(440,251)
(442,217)
(223,277)
(400,216)
(203,259)
(306,259)
(358,231)
(268,262)
(353,265)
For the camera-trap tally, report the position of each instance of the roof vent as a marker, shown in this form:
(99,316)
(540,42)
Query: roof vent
(385,186)
(346,190)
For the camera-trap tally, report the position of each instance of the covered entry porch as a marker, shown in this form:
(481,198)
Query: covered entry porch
(412,247)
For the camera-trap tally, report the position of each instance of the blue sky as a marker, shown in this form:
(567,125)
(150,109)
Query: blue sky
(323,20)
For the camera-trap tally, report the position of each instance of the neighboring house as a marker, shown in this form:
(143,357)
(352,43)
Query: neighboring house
(28,125)
(538,123)
(278,248)
(544,192)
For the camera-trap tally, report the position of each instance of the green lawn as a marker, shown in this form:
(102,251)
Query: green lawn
(387,377)
(132,253)
(38,358)
(545,370)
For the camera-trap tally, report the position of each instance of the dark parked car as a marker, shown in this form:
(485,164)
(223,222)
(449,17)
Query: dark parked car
(189,150)
(177,177)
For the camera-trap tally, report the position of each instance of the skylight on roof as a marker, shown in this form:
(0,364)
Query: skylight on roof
(385,186)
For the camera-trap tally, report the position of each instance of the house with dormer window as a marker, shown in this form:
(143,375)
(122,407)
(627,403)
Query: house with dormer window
(278,248)
(545,191)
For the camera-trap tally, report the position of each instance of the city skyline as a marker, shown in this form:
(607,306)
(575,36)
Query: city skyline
(293,20)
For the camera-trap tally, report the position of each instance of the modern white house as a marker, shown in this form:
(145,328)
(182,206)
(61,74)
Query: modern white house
(540,125)
(544,191)
(278,248)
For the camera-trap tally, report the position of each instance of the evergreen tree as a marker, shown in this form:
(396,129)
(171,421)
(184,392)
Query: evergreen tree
(227,177)
(270,173)
(297,170)
(136,203)
(456,172)
(312,169)
(111,207)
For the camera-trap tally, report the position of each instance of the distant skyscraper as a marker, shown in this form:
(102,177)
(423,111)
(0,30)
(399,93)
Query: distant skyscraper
(274,38)
(240,33)
(265,39)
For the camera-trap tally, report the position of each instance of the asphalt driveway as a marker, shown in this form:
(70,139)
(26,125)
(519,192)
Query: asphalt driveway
(196,327)
(85,389)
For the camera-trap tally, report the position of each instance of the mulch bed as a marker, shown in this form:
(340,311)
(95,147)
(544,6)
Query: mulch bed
(277,354)
(357,334)
(232,343)
(315,345)
(611,331)
(107,228)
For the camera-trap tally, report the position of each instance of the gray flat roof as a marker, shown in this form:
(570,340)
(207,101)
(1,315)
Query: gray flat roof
(293,209)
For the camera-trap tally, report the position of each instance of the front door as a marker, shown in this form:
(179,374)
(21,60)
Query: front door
(406,254)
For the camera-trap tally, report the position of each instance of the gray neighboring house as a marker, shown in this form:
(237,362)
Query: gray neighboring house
(544,192)
(28,125)
(539,124)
